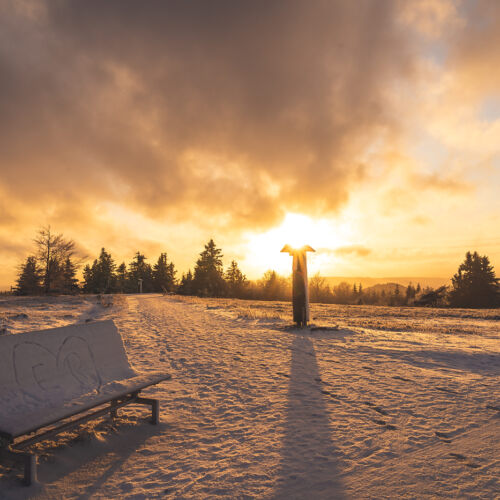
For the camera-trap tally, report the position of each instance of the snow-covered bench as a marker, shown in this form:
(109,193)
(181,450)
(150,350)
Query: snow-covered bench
(52,380)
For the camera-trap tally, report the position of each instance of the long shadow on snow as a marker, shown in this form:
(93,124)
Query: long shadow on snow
(97,461)
(101,468)
(309,458)
(474,362)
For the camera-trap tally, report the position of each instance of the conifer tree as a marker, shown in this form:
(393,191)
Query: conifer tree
(101,277)
(29,281)
(69,280)
(410,293)
(475,283)
(186,285)
(164,275)
(139,269)
(121,278)
(208,280)
(236,280)
(88,278)
(105,277)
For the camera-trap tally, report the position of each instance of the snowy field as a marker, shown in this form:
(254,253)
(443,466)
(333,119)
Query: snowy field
(375,403)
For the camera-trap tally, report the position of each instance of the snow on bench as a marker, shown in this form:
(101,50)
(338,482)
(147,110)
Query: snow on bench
(51,375)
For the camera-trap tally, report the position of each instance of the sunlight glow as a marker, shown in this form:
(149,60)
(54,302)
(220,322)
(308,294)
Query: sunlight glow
(296,230)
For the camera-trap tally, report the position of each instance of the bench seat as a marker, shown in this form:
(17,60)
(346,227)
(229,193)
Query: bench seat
(16,425)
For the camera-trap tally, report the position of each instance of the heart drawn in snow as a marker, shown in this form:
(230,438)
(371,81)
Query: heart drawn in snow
(68,372)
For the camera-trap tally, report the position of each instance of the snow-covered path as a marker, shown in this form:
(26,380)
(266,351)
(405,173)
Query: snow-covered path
(259,411)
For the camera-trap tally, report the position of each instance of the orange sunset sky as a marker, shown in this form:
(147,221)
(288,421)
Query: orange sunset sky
(371,128)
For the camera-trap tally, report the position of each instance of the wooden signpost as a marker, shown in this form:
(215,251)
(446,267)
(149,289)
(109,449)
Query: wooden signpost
(300,288)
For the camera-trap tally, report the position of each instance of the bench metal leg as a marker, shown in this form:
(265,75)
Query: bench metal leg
(155,408)
(30,468)
(29,461)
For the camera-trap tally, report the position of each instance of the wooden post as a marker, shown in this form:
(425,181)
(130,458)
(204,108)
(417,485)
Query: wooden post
(300,288)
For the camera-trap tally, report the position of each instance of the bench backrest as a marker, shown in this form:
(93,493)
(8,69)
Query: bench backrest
(43,368)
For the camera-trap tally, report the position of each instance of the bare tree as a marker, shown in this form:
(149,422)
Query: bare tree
(318,289)
(53,250)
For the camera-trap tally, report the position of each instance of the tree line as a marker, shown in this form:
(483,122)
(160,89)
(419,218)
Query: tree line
(52,269)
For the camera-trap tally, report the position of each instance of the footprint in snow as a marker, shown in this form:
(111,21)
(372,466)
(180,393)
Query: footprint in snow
(376,408)
(384,424)
(445,389)
(328,393)
(463,458)
(491,407)
(472,465)
(443,436)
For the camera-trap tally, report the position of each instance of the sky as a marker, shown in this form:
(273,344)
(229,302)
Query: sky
(369,130)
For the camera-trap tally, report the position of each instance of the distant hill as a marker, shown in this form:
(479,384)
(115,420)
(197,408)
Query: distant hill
(404,282)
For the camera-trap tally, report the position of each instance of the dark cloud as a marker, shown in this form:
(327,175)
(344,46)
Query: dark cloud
(195,109)
(475,49)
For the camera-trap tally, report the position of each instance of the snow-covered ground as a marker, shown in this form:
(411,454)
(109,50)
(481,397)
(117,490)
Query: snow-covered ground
(377,403)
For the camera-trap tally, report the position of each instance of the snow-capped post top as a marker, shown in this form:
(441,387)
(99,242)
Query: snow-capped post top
(300,288)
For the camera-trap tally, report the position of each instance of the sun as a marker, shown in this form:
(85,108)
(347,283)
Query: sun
(296,230)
